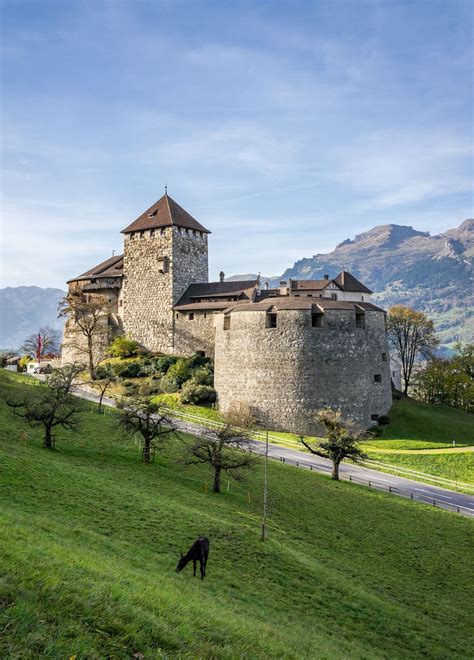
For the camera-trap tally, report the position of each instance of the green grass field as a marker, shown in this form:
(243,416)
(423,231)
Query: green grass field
(91,537)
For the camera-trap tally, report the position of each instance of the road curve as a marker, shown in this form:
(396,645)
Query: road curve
(409,488)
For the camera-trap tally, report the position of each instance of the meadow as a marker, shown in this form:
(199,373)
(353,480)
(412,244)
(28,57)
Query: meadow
(91,537)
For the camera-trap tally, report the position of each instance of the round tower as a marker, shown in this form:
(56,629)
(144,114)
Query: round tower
(288,358)
(165,250)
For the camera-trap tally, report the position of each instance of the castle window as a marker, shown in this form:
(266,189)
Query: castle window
(360,320)
(310,295)
(177,315)
(163,264)
(362,298)
(120,303)
(271,320)
(384,357)
(191,316)
(205,315)
(377,378)
(334,296)
(226,322)
(317,319)
(374,418)
(162,231)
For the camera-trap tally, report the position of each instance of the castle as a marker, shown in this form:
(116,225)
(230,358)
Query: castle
(285,352)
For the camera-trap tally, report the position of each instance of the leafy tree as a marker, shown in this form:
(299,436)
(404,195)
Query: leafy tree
(448,382)
(89,314)
(46,340)
(340,440)
(410,335)
(227,448)
(123,347)
(49,405)
(149,420)
(62,379)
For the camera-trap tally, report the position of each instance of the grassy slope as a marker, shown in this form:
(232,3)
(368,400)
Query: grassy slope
(414,425)
(91,538)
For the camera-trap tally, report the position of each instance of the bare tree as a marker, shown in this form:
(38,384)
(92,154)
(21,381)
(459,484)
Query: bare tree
(62,379)
(89,313)
(340,440)
(49,406)
(410,334)
(46,340)
(105,376)
(227,448)
(149,420)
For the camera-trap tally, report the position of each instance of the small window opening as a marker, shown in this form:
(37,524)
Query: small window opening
(334,296)
(271,320)
(205,315)
(177,315)
(384,357)
(374,418)
(377,378)
(362,298)
(297,295)
(317,319)
(360,320)
(191,316)
(120,303)
(226,322)
(310,295)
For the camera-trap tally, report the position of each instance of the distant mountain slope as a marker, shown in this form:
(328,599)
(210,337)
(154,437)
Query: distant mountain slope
(24,309)
(402,265)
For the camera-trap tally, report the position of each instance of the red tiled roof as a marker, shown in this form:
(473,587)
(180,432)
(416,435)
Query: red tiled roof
(244,289)
(165,213)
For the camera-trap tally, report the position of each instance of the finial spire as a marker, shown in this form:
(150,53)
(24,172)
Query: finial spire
(166,189)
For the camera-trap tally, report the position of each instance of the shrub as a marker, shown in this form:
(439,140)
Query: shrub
(383,420)
(180,371)
(130,370)
(150,388)
(203,376)
(130,389)
(195,393)
(123,347)
(163,363)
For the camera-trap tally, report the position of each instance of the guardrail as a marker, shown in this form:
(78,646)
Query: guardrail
(441,481)
(394,490)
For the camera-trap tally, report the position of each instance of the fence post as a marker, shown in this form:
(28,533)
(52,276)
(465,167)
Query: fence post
(350,477)
(411,495)
(389,489)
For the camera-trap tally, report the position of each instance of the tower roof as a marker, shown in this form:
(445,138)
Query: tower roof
(165,213)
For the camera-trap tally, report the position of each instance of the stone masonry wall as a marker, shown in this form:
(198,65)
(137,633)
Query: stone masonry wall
(287,373)
(158,267)
(196,334)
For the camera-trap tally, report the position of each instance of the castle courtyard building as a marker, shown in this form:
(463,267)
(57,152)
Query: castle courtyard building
(285,351)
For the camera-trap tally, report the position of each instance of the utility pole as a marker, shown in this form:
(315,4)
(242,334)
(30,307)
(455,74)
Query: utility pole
(265,491)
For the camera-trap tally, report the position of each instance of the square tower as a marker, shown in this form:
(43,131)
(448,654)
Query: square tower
(165,250)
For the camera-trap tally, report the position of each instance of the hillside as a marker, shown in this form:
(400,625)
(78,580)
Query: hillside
(403,265)
(346,572)
(23,310)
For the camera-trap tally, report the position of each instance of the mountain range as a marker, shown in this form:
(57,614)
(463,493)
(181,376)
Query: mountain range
(404,266)
(25,309)
(400,264)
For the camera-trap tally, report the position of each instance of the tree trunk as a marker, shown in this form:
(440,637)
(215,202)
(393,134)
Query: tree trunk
(146,450)
(217,480)
(90,350)
(335,471)
(48,439)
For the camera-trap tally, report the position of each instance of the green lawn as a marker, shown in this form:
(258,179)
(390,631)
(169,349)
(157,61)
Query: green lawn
(90,538)
(416,425)
(458,467)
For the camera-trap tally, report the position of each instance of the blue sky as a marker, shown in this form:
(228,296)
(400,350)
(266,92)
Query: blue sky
(283,127)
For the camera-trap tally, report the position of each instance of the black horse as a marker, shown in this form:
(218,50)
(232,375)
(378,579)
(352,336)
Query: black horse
(199,551)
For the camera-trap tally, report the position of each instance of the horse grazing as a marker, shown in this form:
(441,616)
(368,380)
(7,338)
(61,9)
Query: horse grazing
(199,551)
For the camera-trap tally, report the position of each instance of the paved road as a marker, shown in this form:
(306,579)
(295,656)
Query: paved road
(441,497)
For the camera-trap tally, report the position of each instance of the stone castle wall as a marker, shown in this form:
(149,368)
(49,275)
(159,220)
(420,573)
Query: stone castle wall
(287,373)
(194,334)
(159,265)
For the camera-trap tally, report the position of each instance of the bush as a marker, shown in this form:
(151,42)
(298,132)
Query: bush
(383,420)
(180,372)
(151,388)
(122,347)
(203,376)
(130,370)
(130,389)
(195,393)
(163,363)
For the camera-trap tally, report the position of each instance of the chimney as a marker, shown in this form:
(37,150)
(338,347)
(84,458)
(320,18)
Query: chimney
(326,277)
(221,276)
(283,288)
(265,286)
